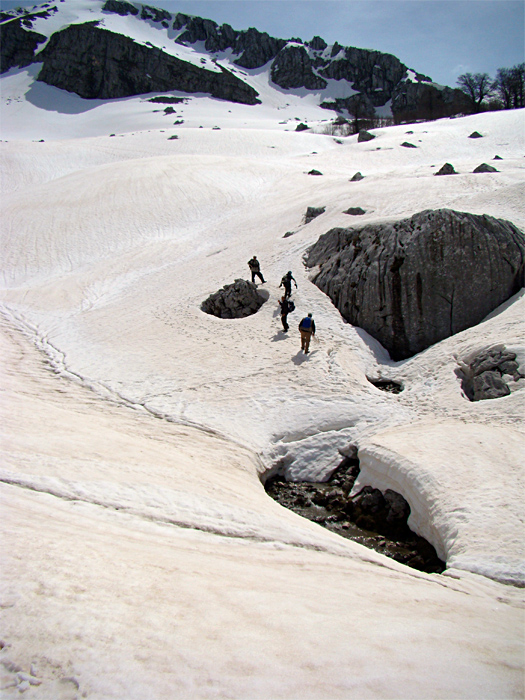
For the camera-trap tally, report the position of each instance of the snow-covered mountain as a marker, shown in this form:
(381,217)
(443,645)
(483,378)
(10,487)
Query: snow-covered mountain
(115,49)
(141,556)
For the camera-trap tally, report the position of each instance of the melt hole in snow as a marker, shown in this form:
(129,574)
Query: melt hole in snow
(387,385)
(371,518)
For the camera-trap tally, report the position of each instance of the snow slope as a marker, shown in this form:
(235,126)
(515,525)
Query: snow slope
(133,508)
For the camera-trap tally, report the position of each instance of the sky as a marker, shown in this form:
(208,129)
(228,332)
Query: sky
(439,38)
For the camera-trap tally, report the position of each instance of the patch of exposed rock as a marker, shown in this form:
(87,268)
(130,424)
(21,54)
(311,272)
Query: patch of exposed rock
(426,100)
(374,519)
(17,45)
(96,63)
(417,281)
(489,373)
(485,168)
(446,169)
(237,300)
(312,213)
(365,136)
(355,211)
(356,177)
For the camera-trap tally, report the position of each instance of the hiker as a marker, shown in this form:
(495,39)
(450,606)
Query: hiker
(255,268)
(307,328)
(286,308)
(286,282)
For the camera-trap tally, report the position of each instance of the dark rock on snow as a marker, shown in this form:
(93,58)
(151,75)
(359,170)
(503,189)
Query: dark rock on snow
(96,63)
(120,7)
(312,213)
(355,211)
(17,45)
(236,300)
(488,374)
(475,135)
(314,172)
(414,282)
(446,169)
(484,168)
(425,101)
(357,177)
(365,136)
(302,127)
(407,144)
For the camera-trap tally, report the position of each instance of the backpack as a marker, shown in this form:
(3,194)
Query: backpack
(291,307)
(306,323)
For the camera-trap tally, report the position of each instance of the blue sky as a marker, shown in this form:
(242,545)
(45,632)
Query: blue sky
(440,38)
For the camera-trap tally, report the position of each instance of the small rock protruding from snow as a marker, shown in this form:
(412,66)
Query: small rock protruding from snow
(357,177)
(475,135)
(484,168)
(365,136)
(237,300)
(355,211)
(312,213)
(446,169)
(407,144)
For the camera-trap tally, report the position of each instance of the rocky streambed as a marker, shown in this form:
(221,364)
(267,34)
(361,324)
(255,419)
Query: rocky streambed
(374,519)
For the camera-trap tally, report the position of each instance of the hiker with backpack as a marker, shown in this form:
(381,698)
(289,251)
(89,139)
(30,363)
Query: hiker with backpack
(307,329)
(286,308)
(255,268)
(286,282)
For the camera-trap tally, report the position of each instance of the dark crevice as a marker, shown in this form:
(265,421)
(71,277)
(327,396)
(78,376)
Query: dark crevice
(387,385)
(371,518)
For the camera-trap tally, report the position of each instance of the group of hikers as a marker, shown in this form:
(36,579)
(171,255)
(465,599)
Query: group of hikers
(307,324)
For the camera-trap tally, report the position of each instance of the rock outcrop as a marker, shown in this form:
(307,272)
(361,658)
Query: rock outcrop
(108,67)
(412,101)
(96,63)
(414,282)
(17,45)
(236,300)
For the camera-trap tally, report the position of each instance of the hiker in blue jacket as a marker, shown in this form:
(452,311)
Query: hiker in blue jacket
(307,329)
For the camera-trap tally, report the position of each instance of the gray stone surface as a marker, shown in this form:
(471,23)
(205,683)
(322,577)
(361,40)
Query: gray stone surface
(425,100)
(17,45)
(356,177)
(312,213)
(365,136)
(446,169)
(96,63)
(236,300)
(413,282)
(488,374)
(485,168)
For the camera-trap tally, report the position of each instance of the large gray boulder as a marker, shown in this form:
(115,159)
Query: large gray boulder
(414,282)
(236,300)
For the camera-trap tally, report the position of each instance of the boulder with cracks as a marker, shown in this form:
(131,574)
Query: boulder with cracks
(489,373)
(237,300)
(414,282)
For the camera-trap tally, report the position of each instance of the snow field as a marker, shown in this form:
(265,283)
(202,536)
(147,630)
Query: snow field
(133,505)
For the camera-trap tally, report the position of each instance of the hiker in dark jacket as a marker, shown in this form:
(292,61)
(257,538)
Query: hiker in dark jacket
(286,282)
(286,308)
(255,268)
(307,329)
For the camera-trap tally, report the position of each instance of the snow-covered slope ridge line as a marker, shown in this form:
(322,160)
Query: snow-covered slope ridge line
(77,44)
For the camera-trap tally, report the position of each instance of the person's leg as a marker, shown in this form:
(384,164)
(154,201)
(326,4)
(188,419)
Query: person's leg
(253,276)
(285,323)
(303,340)
(307,342)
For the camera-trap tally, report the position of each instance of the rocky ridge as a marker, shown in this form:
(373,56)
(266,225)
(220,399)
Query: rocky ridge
(93,62)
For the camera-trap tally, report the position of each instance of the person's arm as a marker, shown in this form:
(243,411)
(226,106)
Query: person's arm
(313,327)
